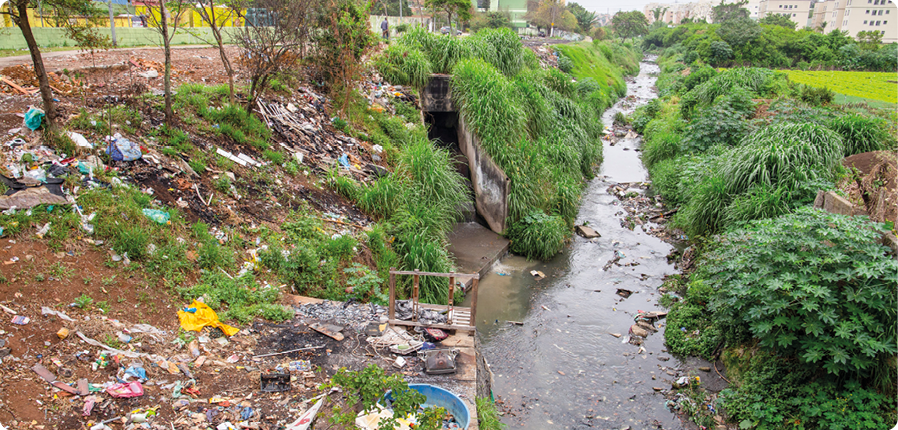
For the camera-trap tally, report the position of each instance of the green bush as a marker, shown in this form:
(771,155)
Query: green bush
(811,284)
(507,45)
(239,299)
(538,235)
(403,65)
(691,329)
(775,393)
(565,64)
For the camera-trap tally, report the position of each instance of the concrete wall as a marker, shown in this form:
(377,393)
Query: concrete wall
(11,38)
(437,95)
(834,203)
(491,185)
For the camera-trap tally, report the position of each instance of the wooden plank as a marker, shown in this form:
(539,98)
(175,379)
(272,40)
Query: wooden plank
(328,330)
(13,84)
(442,275)
(451,294)
(417,279)
(392,295)
(440,326)
(474,300)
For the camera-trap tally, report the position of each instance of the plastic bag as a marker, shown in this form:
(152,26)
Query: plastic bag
(160,217)
(33,118)
(122,149)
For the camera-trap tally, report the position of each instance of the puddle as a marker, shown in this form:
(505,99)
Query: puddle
(563,368)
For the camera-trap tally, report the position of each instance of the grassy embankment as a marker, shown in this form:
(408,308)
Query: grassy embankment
(537,124)
(853,86)
(800,302)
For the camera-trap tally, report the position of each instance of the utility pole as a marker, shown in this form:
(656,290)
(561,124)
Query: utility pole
(112,24)
(400,11)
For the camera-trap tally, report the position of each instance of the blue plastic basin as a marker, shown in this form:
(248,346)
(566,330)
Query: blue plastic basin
(439,397)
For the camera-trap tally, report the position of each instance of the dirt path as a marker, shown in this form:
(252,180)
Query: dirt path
(26,59)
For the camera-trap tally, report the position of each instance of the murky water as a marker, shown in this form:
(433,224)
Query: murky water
(563,368)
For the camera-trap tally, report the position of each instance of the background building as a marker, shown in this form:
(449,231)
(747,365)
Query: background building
(677,12)
(799,11)
(855,16)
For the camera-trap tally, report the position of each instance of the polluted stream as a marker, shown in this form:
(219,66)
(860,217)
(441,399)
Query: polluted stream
(552,344)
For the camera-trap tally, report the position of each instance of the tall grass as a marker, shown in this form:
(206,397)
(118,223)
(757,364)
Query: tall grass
(784,155)
(862,133)
(539,235)
(402,65)
(507,46)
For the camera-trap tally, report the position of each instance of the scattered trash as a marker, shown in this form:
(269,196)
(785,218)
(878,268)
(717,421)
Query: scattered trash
(624,292)
(20,320)
(274,382)
(305,420)
(137,371)
(122,149)
(203,316)
(537,275)
(80,140)
(586,232)
(300,366)
(399,362)
(440,361)
(329,330)
(63,333)
(125,390)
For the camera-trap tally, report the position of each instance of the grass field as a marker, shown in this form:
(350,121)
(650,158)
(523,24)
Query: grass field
(882,86)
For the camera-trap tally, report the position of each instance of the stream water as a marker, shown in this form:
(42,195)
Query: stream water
(563,368)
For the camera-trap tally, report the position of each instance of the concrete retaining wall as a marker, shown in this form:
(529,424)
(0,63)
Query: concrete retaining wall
(48,37)
(437,95)
(491,185)
(834,203)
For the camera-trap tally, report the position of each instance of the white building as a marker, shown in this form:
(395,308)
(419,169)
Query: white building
(855,16)
(799,11)
(674,13)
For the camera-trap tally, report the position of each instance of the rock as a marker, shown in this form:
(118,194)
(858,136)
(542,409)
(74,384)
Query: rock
(636,330)
(646,326)
(586,232)
(616,334)
(704,369)
(657,388)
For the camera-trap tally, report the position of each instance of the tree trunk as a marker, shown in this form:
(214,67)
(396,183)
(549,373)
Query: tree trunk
(43,82)
(166,42)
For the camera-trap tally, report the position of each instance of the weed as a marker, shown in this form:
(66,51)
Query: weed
(83,302)
(103,306)
(273,156)
(60,271)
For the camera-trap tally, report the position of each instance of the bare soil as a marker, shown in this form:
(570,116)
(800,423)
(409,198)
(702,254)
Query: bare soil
(874,184)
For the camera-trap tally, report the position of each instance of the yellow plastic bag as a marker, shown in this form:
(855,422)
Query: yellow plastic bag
(204,316)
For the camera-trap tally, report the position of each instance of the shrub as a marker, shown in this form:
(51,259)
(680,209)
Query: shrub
(659,147)
(565,64)
(538,235)
(815,96)
(691,329)
(862,133)
(811,284)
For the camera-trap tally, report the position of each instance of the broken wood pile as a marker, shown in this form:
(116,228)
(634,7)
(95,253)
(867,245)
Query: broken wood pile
(308,135)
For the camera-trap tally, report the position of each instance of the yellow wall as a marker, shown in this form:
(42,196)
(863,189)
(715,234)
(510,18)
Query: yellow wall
(188,19)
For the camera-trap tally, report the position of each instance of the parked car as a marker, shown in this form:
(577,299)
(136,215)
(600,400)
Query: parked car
(446,29)
(542,33)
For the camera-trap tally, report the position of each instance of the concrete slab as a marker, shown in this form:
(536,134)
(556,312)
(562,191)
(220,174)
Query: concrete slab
(476,247)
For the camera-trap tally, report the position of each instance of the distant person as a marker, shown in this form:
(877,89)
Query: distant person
(385,29)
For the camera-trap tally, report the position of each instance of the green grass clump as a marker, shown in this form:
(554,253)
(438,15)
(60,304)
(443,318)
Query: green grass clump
(403,65)
(861,133)
(507,46)
(539,235)
(240,299)
(487,415)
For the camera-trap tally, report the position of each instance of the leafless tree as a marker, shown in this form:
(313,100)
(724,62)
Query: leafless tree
(165,18)
(274,41)
(216,18)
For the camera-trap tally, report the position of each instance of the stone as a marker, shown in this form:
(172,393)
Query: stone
(636,330)
(586,232)
(704,369)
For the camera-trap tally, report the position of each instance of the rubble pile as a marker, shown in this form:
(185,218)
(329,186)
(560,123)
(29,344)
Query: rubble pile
(21,80)
(548,56)
(643,210)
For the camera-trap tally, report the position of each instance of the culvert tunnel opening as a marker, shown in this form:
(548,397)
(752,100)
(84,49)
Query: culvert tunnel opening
(442,128)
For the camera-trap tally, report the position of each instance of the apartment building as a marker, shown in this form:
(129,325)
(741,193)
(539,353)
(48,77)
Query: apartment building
(754,8)
(676,12)
(799,11)
(855,16)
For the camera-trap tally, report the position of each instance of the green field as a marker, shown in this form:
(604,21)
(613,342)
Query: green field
(882,86)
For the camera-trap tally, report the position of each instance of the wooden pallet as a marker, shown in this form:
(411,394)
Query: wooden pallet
(460,317)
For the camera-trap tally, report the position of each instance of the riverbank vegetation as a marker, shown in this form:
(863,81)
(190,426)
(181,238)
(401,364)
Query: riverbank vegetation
(539,125)
(799,303)
(745,42)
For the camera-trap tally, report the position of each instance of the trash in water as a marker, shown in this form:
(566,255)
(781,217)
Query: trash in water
(624,293)
(537,275)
